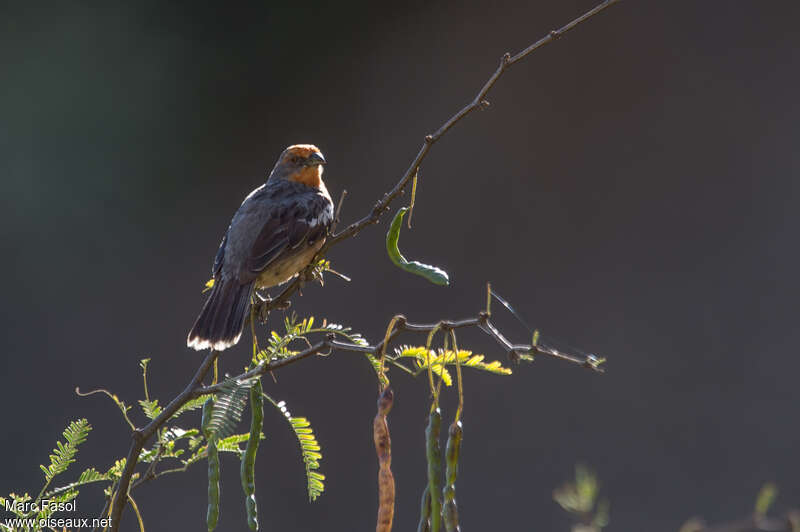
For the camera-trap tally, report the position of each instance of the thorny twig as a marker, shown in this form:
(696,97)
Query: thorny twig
(141,436)
(401,324)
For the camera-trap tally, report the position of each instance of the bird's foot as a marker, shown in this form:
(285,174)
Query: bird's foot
(264,303)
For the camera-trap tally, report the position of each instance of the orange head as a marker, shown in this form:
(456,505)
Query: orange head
(301,163)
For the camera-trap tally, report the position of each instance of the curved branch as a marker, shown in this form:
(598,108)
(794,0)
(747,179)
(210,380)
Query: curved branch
(481,322)
(382,205)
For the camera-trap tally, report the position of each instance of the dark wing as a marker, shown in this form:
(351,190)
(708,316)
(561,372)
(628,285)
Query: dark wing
(293,224)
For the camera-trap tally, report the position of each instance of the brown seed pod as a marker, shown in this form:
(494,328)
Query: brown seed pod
(383,448)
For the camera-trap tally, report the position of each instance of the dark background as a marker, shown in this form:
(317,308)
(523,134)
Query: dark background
(633,191)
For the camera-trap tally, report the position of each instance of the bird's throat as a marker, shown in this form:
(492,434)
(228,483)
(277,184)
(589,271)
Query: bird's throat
(310,176)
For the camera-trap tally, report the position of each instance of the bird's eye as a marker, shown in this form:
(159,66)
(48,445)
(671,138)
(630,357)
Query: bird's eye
(295,159)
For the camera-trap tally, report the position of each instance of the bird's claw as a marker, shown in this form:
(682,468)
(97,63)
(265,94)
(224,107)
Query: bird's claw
(264,303)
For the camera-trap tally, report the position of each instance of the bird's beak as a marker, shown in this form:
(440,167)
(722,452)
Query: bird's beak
(315,159)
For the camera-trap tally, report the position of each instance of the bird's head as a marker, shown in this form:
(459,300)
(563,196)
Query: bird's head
(301,163)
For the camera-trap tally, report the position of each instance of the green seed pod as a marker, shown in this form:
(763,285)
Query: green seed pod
(434,454)
(208,408)
(425,512)
(450,514)
(452,453)
(454,438)
(431,273)
(248,467)
(212,516)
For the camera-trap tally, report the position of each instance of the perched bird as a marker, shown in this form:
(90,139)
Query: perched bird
(276,232)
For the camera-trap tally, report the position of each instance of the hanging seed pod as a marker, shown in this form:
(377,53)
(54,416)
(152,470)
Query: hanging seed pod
(248,467)
(212,516)
(383,448)
(452,453)
(434,454)
(431,273)
(425,512)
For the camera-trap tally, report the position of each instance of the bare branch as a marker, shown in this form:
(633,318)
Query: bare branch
(195,388)
(482,323)
(382,205)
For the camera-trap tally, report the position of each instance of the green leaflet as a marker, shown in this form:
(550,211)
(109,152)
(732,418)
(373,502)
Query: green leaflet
(87,477)
(228,445)
(228,408)
(309,446)
(192,404)
(151,409)
(64,453)
(431,273)
(441,358)
(278,346)
(166,446)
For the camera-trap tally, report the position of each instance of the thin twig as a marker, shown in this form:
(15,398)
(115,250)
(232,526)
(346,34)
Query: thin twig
(337,216)
(137,512)
(401,324)
(478,102)
(460,409)
(194,388)
(116,400)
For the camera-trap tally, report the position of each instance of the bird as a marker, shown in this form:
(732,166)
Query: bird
(276,232)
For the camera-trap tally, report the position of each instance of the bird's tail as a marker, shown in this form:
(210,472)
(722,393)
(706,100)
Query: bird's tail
(220,323)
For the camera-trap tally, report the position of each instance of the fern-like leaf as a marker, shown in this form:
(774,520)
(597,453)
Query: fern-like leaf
(231,443)
(87,477)
(166,447)
(177,433)
(228,407)
(150,408)
(440,358)
(418,354)
(15,504)
(278,345)
(192,404)
(64,453)
(45,511)
(309,447)
(115,472)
